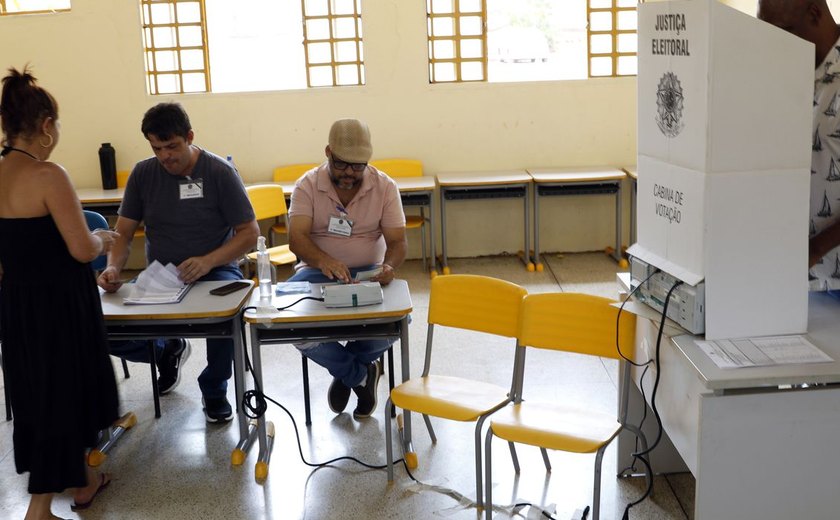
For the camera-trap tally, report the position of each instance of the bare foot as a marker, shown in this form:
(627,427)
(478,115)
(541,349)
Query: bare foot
(83,497)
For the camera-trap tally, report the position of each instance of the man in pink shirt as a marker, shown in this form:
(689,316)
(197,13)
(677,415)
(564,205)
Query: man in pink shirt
(346,217)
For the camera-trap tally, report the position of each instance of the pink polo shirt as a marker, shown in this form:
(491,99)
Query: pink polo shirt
(377,205)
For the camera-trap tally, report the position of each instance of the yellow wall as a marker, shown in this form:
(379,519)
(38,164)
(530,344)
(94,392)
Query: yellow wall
(91,60)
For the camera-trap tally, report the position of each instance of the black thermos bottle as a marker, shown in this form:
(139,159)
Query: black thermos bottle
(108,166)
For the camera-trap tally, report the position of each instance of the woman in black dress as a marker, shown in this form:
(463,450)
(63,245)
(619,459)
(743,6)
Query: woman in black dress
(58,370)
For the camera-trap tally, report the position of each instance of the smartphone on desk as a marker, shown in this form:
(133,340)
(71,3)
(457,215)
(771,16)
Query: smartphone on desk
(229,288)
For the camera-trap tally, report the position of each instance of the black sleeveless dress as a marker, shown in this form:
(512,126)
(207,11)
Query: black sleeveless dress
(55,353)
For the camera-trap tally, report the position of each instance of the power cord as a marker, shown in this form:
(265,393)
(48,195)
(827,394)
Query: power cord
(642,455)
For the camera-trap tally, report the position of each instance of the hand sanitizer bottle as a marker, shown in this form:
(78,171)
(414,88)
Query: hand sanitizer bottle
(264,272)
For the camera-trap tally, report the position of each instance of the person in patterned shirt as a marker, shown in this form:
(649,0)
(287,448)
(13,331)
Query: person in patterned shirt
(811,20)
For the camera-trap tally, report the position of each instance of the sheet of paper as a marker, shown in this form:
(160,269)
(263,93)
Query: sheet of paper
(363,276)
(157,284)
(292,288)
(774,350)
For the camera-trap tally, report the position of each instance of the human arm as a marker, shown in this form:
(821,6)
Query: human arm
(395,251)
(66,211)
(243,240)
(118,256)
(821,244)
(301,244)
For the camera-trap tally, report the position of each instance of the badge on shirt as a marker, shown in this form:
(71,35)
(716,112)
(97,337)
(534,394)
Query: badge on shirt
(341,226)
(191,189)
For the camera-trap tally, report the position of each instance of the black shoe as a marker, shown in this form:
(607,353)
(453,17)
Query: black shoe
(367,394)
(217,409)
(175,353)
(338,395)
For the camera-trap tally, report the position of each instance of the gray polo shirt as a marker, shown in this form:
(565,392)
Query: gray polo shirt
(179,228)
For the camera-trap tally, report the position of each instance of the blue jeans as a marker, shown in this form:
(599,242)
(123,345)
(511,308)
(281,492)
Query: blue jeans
(347,363)
(213,379)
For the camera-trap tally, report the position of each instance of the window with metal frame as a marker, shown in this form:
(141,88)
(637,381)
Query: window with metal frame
(612,37)
(332,42)
(10,7)
(457,31)
(530,40)
(175,46)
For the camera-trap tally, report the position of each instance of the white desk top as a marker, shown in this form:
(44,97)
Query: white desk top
(823,331)
(483,178)
(421,183)
(98,195)
(396,303)
(631,171)
(576,174)
(198,303)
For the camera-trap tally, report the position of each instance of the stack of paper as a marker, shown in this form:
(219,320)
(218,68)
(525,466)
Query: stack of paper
(156,285)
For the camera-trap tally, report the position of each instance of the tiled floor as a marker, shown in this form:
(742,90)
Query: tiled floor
(179,467)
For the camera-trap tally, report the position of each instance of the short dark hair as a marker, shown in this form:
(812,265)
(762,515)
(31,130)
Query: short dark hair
(165,121)
(24,105)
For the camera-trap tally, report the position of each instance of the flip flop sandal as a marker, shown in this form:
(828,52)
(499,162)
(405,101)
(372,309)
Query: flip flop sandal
(103,483)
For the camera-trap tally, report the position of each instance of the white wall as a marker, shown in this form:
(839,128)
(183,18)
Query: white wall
(91,60)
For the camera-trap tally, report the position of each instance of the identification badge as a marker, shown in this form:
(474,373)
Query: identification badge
(192,189)
(341,226)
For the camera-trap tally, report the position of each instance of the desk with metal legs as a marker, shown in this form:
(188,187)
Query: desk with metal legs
(598,180)
(634,179)
(485,185)
(106,202)
(419,191)
(199,315)
(310,320)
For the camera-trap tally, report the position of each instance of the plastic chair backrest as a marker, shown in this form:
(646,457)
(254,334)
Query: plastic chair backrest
(267,200)
(574,322)
(96,221)
(292,172)
(122,178)
(477,303)
(399,167)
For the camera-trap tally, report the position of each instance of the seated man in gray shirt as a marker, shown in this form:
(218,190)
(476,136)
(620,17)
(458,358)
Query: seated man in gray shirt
(198,217)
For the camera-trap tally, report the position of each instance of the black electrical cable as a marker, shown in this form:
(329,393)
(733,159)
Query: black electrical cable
(641,455)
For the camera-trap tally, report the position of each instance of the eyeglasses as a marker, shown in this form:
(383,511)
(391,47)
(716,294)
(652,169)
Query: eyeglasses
(342,165)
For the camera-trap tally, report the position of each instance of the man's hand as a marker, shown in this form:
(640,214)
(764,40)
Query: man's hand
(193,268)
(386,276)
(335,270)
(109,279)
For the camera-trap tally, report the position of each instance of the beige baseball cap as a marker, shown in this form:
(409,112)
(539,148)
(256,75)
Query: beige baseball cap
(350,141)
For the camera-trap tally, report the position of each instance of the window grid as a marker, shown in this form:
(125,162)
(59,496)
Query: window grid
(333,41)
(614,55)
(28,7)
(151,49)
(457,61)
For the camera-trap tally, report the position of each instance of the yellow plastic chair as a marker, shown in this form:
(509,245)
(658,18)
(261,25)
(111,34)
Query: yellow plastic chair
(122,179)
(469,302)
(406,168)
(568,322)
(268,203)
(286,176)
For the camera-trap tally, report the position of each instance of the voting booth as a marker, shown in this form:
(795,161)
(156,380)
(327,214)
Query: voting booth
(724,154)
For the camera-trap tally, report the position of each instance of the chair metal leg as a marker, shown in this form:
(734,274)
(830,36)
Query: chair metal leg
(153,368)
(545,459)
(430,429)
(125,368)
(596,491)
(513,457)
(389,449)
(305,367)
(391,377)
(488,475)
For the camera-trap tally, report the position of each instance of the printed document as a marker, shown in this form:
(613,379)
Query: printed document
(158,284)
(752,352)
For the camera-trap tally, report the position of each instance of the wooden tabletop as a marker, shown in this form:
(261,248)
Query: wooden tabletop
(488,178)
(420,183)
(576,174)
(396,303)
(631,171)
(98,195)
(198,303)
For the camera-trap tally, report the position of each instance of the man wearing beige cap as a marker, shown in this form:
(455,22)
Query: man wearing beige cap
(347,217)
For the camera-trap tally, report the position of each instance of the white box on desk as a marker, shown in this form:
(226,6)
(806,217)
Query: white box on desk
(724,162)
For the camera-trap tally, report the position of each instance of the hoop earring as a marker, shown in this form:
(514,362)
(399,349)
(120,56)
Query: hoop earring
(41,141)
